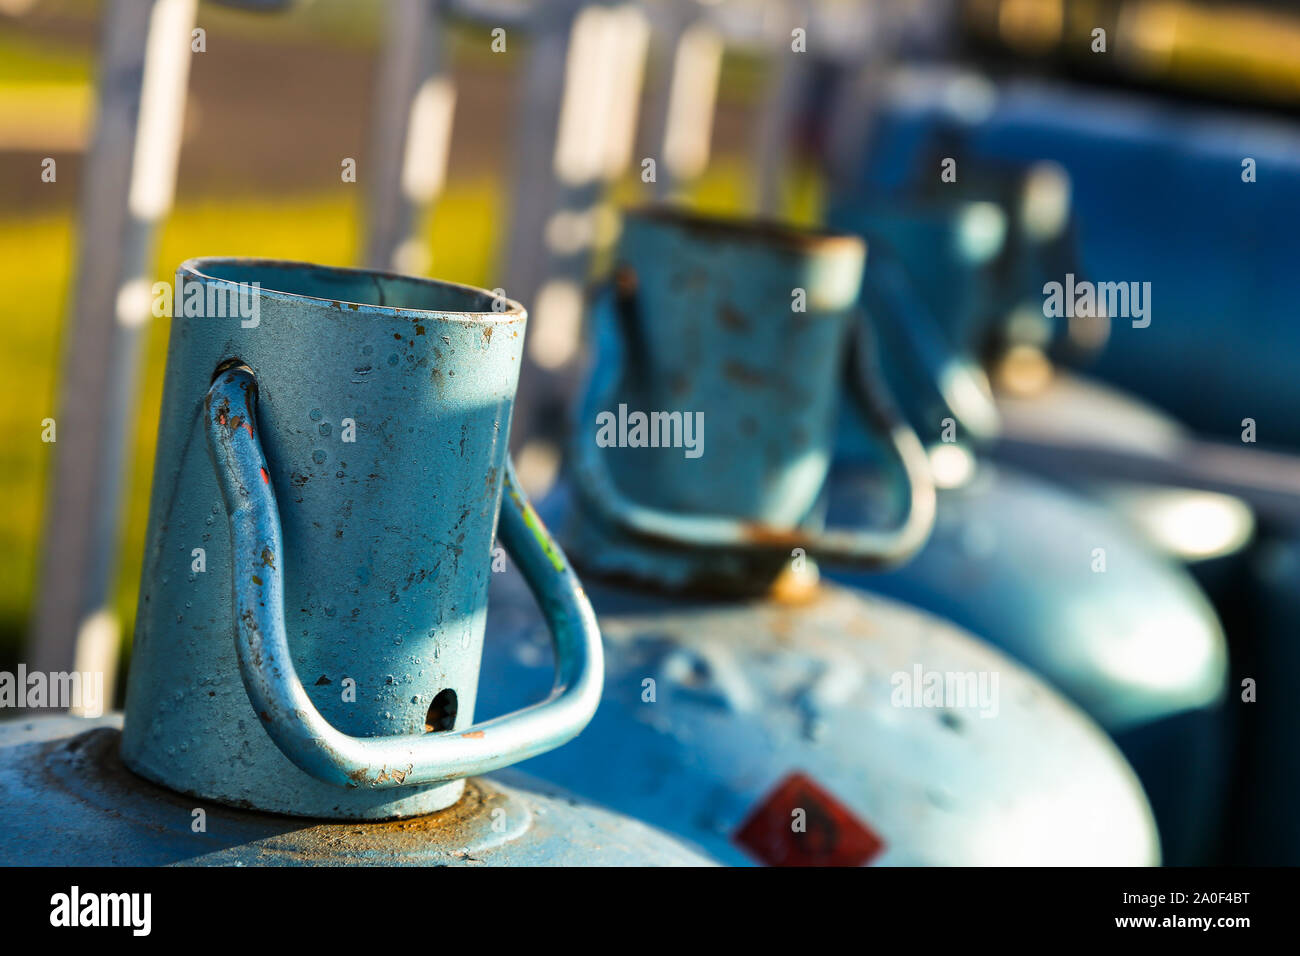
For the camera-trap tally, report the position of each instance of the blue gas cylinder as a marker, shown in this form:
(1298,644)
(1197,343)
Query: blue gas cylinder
(1059,582)
(67,800)
(331,469)
(750,707)
(1222,187)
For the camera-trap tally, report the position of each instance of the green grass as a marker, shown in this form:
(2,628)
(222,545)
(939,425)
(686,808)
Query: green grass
(24,60)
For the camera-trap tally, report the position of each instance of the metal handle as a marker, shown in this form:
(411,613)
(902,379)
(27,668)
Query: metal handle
(266,665)
(896,305)
(861,547)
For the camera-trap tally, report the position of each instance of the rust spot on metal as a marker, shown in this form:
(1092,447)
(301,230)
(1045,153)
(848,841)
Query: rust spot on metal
(487,333)
(223,417)
(473,733)
(268,559)
(625,280)
(415,577)
(729,229)
(90,767)
(266,479)
(743,375)
(732,318)
(766,534)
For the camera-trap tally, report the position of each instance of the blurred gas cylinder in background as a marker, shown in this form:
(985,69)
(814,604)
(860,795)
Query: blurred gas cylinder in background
(1223,190)
(1216,348)
(761,713)
(1063,584)
(319,509)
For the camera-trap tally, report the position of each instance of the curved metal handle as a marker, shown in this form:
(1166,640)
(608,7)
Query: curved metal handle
(266,665)
(955,381)
(860,547)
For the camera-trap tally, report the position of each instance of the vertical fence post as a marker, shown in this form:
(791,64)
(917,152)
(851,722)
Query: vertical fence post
(577,126)
(130,173)
(787,86)
(410,137)
(688,50)
(535,190)
(858,62)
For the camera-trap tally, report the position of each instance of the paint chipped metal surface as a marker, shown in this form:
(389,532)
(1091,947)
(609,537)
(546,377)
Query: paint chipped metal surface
(357,430)
(722,683)
(748,692)
(69,801)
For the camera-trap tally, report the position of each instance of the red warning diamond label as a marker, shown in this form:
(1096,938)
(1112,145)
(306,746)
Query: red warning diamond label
(800,824)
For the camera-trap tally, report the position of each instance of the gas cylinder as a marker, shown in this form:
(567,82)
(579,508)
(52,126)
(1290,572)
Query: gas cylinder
(1058,581)
(750,707)
(1004,233)
(331,468)
(1194,170)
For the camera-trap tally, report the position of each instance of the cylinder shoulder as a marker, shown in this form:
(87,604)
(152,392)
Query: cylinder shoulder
(62,776)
